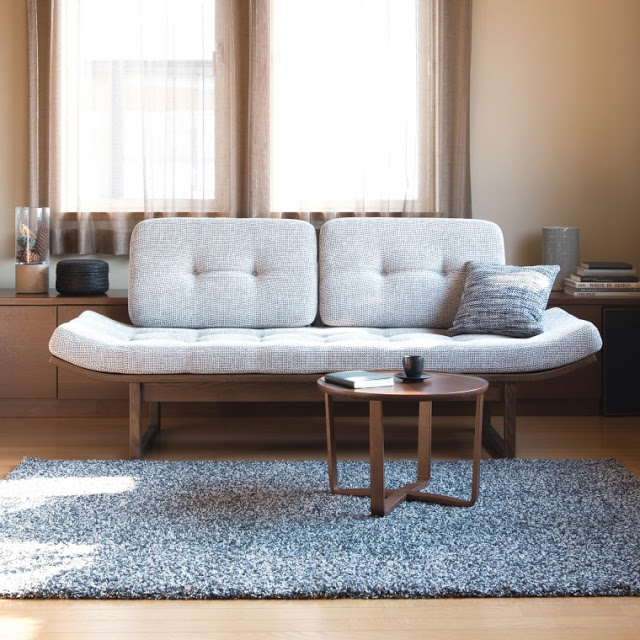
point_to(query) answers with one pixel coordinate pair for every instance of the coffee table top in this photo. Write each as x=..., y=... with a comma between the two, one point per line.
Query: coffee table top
x=440, y=386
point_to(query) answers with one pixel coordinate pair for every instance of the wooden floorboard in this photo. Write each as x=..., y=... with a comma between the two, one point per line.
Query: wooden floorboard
x=275, y=437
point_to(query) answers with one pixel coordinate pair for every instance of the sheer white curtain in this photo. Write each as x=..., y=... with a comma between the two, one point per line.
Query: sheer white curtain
x=303, y=108
x=345, y=101
x=132, y=117
x=368, y=108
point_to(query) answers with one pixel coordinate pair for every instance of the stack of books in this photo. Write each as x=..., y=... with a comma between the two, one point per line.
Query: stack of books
x=603, y=279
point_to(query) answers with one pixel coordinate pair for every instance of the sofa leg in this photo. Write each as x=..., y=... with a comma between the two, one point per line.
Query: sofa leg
x=510, y=412
x=501, y=446
x=135, y=420
x=492, y=441
x=155, y=416
x=139, y=440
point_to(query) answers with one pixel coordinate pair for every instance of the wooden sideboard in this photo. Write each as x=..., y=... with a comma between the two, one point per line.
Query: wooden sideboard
x=31, y=386
x=587, y=391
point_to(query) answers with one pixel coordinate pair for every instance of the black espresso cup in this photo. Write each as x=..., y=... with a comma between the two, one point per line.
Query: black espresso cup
x=413, y=366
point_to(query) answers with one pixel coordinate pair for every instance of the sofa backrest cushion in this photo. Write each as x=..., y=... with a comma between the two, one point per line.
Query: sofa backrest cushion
x=400, y=272
x=223, y=272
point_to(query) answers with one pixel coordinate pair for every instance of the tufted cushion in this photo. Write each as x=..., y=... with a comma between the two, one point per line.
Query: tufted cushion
x=95, y=342
x=504, y=300
x=223, y=272
x=399, y=272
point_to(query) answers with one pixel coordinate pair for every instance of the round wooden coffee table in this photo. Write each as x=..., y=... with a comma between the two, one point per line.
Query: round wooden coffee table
x=439, y=387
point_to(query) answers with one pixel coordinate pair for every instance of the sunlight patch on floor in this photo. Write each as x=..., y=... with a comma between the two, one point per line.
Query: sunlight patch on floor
x=17, y=628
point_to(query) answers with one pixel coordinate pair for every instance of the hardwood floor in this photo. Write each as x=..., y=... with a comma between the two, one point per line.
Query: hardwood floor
x=290, y=438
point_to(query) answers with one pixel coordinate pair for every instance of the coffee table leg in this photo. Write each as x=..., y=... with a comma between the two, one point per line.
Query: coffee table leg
x=477, y=451
x=376, y=458
x=425, y=457
x=334, y=484
x=424, y=442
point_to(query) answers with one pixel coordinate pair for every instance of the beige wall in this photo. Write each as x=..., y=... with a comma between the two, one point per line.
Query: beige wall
x=555, y=125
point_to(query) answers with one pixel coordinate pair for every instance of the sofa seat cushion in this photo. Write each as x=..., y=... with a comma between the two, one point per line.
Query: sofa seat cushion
x=98, y=343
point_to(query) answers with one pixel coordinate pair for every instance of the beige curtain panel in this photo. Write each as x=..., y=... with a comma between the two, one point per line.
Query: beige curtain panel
x=250, y=108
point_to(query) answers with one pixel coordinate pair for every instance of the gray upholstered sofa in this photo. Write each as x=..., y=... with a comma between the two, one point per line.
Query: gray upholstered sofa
x=257, y=309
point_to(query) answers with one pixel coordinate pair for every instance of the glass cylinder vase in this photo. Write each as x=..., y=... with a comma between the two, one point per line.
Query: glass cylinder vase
x=32, y=249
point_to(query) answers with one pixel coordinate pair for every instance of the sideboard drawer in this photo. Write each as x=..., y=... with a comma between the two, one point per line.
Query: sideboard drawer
x=24, y=352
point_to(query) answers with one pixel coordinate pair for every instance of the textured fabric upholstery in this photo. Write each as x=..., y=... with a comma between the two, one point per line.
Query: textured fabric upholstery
x=95, y=342
x=225, y=296
x=398, y=272
x=503, y=299
x=222, y=272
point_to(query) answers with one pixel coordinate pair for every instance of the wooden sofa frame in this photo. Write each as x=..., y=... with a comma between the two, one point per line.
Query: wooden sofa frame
x=156, y=389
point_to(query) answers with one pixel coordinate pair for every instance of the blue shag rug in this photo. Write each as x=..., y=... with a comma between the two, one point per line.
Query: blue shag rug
x=142, y=529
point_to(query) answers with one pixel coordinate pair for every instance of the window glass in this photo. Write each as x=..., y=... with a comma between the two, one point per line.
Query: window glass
x=344, y=103
x=123, y=59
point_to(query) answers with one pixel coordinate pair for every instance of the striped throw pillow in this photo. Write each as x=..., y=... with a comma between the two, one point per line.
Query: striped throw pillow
x=503, y=299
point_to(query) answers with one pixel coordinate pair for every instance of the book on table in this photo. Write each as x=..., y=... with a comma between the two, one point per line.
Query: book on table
x=612, y=264
x=576, y=278
x=601, y=293
x=601, y=285
x=359, y=379
x=585, y=271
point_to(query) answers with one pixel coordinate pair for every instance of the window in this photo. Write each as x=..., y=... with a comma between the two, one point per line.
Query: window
x=138, y=91
x=310, y=108
x=344, y=105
